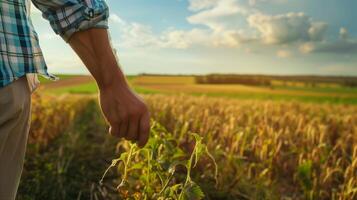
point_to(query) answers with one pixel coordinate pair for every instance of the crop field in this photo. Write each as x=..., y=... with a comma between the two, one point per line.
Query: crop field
x=172, y=85
x=207, y=142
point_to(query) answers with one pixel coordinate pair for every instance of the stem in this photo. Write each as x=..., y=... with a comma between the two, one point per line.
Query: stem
x=148, y=170
x=114, y=162
x=126, y=163
x=167, y=183
x=215, y=165
x=188, y=176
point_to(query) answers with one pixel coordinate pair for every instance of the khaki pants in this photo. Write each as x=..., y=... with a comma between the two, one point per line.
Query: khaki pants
x=15, y=108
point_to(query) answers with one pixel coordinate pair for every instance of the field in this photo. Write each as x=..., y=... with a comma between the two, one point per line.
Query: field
x=211, y=141
x=172, y=85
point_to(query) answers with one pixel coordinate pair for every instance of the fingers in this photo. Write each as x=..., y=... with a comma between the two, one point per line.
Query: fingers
x=132, y=134
x=123, y=128
x=133, y=125
x=144, y=130
x=115, y=130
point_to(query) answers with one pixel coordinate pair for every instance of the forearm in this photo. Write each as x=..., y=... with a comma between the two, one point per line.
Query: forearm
x=94, y=49
x=126, y=113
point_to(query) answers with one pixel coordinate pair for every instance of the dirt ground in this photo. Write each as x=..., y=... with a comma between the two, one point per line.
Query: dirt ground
x=77, y=80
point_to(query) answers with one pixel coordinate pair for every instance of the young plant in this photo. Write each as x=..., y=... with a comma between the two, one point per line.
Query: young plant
x=160, y=170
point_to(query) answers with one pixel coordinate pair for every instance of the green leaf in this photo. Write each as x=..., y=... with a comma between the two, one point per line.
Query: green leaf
x=114, y=163
x=304, y=174
x=193, y=192
x=199, y=147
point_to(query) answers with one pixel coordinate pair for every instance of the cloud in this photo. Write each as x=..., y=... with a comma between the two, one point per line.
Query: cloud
x=196, y=5
x=138, y=35
x=217, y=15
x=307, y=47
x=283, y=54
x=184, y=39
x=283, y=31
x=317, y=31
x=337, y=47
x=343, y=33
x=343, y=45
x=348, y=47
x=287, y=28
x=116, y=19
x=203, y=37
x=133, y=34
x=255, y=2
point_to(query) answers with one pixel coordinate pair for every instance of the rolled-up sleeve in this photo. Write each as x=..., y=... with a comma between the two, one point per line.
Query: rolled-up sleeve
x=69, y=16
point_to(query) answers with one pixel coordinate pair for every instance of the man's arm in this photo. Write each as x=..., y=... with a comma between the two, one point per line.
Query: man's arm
x=83, y=24
x=126, y=113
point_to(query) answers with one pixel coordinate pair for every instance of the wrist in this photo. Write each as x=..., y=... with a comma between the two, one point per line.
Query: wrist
x=112, y=77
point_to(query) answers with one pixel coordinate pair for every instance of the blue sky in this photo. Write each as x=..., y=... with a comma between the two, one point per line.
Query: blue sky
x=222, y=36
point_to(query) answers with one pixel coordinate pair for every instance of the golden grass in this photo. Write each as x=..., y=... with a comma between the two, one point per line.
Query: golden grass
x=164, y=80
x=236, y=89
x=264, y=149
x=52, y=115
x=186, y=84
x=297, y=150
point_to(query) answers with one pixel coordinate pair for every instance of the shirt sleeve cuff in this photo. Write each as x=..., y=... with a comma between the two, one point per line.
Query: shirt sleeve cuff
x=82, y=25
x=69, y=20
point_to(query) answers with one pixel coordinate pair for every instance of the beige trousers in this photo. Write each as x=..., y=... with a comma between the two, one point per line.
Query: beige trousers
x=15, y=108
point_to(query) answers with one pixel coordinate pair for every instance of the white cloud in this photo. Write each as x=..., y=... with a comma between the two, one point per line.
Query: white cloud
x=140, y=35
x=342, y=46
x=116, y=19
x=343, y=33
x=317, y=31
x=307, y=47
x=283, y=54
x=218, y=15
x=287, y=28
x=196, y=5
x=183, y=39
x=287, y=31
x=255, y=2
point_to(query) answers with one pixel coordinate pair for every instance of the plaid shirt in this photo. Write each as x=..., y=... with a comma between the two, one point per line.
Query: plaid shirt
x=20, y=53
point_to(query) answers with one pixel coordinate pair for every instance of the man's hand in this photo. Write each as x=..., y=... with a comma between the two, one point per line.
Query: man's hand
x=125, y=112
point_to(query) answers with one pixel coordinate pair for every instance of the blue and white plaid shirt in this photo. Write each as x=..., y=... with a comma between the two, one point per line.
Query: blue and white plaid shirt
x=20, y=53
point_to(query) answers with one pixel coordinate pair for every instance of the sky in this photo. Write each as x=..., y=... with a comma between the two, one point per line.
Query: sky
x=283, y=37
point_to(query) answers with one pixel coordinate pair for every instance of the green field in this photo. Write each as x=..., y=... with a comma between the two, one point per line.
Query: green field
x=169, y=85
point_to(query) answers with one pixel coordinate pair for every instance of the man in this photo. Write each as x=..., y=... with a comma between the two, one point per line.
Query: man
x=83, y=24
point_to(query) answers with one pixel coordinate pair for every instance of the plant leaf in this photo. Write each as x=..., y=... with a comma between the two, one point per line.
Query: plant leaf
x=193, y=192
